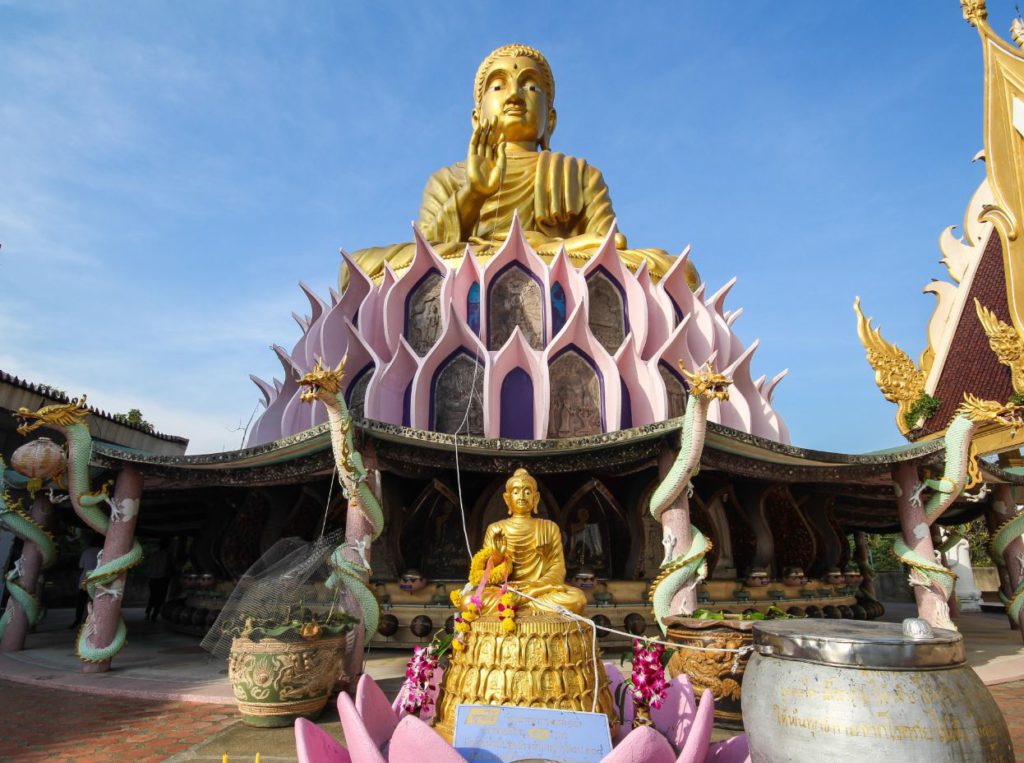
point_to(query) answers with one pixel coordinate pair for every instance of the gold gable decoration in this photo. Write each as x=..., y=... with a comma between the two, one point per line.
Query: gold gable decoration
x=1004, y=149
x=896, y=375
x=1005, y=342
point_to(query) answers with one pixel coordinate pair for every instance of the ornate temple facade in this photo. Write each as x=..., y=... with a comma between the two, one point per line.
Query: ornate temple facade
x=555, y=348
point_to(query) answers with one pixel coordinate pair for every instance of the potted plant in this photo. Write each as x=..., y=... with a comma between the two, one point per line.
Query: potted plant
x=286, y=668
x=721, y=672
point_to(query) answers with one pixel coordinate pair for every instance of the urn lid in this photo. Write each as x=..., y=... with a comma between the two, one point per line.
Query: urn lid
x=911, y=645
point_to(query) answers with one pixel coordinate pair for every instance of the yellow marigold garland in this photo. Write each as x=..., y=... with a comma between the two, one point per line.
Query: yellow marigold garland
x=476, y=570
x=507, y=608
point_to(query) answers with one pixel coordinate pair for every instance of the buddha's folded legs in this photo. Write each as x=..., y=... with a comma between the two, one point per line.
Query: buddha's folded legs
x=553, y=596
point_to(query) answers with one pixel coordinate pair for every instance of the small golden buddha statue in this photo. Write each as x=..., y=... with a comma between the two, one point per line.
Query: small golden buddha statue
x=531, y=549
x=561, y=200
x=538, y=657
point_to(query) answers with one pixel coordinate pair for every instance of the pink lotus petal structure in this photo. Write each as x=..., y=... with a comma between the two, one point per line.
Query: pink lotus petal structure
x=413, y=338
x=374, y=729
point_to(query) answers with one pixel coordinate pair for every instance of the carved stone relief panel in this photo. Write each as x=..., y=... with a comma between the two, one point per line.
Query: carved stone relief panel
x=515, y=299
x=575, y=407
x=357, y=395
x=423, y=321
x=676, y=392
x=454, y=391
x=607, y=313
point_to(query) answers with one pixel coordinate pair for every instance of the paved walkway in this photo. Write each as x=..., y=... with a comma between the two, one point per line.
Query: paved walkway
x=181, y=707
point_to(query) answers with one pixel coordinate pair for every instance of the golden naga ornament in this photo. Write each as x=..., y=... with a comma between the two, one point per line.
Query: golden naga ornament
x=1005, y=342
x=513, y=644
x=896, y=375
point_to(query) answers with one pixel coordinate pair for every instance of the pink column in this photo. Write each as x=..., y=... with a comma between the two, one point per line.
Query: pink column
x=1005, y=508
x=31, y=566
x=931, y=604
x=106, y=610
x=676, y=519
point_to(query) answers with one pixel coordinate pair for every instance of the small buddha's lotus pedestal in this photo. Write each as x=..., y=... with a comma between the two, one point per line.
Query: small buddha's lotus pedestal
x=548, y=661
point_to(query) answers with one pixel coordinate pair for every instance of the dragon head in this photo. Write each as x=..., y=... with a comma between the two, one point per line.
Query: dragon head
x=978, y=410
x=59, y=416
x=322, y=380
x=707, y=383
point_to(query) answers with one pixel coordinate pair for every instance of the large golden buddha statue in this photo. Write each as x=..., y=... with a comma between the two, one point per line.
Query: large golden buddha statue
x=509, y=168
x=530, y=549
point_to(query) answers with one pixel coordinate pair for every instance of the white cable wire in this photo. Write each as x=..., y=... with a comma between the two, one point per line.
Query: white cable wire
x=469, y=404
x=573, y=616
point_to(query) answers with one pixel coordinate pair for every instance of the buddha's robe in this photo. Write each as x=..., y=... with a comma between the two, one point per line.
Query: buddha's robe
x=538, y=565
x=557, y=197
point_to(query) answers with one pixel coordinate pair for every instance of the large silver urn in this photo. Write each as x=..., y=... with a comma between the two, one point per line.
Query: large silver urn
x=843, y=690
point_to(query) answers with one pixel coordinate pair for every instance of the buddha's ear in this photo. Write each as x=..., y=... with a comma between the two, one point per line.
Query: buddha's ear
x=545, y=139
x=474, y=118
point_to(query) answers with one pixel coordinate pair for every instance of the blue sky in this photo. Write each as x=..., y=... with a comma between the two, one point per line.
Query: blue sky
x=169, y=172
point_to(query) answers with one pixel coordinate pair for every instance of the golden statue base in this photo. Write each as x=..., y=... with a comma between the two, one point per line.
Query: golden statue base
x=547, y=662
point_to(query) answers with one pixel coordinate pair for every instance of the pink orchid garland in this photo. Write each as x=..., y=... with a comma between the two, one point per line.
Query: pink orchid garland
x=417, y=689
x=648, y=686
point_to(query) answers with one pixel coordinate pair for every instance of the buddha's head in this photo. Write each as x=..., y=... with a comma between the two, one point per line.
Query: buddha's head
x=515, y=85
x=521, y=494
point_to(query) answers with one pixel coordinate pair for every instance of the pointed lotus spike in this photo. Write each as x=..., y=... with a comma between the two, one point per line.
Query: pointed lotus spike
x=302, y=321
x=759, y=382
x=266, y=389
x=291, y=368
x=316, y=304
x=732, y=316
x=717, y=300
x=769, y=390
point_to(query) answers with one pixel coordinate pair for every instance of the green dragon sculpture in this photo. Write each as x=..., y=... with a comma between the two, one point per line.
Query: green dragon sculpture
x=960, y=473
x=688, y=567
x=324, y=384
x=14, y=519
x=71, y=419
x=1006, y=533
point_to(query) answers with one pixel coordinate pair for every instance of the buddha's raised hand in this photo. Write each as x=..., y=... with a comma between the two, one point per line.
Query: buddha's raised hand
x=485, y=159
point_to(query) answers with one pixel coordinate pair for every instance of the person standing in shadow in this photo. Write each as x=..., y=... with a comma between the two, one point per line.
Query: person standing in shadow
x=160, y=569
x=87, y=562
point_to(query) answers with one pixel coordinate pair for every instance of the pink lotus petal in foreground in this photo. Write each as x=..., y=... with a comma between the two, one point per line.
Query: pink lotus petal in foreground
x=314, y=745
x=642, y=745
x=414, y=741
x=732, y=750
x=360, y=744
x=698, y=738
x=375, y=710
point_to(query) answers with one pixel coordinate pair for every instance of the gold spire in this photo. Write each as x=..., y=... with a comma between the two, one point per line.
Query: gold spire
x=1004, y=149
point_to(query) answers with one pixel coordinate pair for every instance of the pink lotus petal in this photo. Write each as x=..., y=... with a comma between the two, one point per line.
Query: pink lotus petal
x=360, y=744
x=314, y=745
x=675, y=716
x=416, y=741
x=641, y=745
x=695, y=749
x=375, y=710
x=732, y=750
